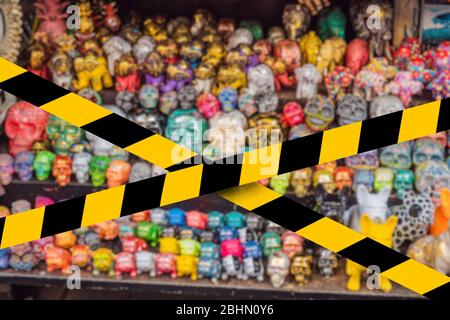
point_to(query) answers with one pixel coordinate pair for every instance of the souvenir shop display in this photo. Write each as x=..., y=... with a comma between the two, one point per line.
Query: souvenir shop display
x=221, y=86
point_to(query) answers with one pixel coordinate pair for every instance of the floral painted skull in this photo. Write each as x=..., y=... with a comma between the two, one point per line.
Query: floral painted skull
x=23, y=165
x=80, y=166
x=267, y=102
x=384, y=178
x=228, y=97
x=363, y=161
x=62, y=135
x=25, y=124
x=427, y=150
x=149, y=97
x=280, y=183
x=351, y=109
x=397, y=156
x=292, y=114
x=118, y=173
x=403, y=181
x=343, y=177
x=385, y=104
x=431, y=178
x=62, y=170
x=320, y=113
x=140, y=171
x=363, y=177
x=97, y=169
x=43, y=163
x=247, y=104
x=168, y=102
x=208, y=105
x=186, y=97
x=6, y=168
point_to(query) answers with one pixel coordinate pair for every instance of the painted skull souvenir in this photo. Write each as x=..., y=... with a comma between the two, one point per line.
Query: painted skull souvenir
x=364, y=177
x=235, y=219
x=65, y=240
x=140, y=216
x=97, y=169
x=143, y=47
x=310, y=47
x=186, y=97
x=216, y=220
x=140, y=171
x=240, y=36
x=208, y=105
x=327, y=262
x=357, y=55
x=196, y=219
x=301, y=181
x=22, y=257
x=292, y=114
x=404, y=86
x=103, y=261
x=25, y=124
x=403, y=181
x=308, y=78
x=440, y=138
x=385, y=104
x=324, y=178
x=228, y=98
x=176, y=217
x=363, y=161
x=20, y=206
x=275, y=34
x=351, y=109
x=320, y=113
x=153, y=121
x=278, y=268
x=23, y=165
x=265, y=130
x=80, y=166
x=260, y=80
x=168, y=102
x=43, y=163
x=263, y=48
x=6, y=168
x=114, y=48
x=149, y=97
x=296, y=20
x=118, y=173
x=289, y=52
x=267, y=101
x=62, y=170
x=247, y=104
x=431, y=178
x=270, y=242
x=126, y=101
x=343, y=177
x=397, y=156
x=159, y=216
x=192, y=52
x=292, y=243
x=280, y=183
x=301, y=268
x=331, y=23
x=425, y=149
x=62, y=135
x=384, y=178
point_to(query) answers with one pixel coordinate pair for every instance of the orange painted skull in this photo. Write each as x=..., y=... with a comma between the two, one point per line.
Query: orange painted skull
x=62, y=170
x=118, y=173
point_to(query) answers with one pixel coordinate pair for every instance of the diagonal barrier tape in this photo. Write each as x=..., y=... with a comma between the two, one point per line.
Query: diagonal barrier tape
x=101, y=120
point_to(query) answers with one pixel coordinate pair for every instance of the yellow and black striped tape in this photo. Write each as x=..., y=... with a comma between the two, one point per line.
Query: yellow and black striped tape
x=104, y=121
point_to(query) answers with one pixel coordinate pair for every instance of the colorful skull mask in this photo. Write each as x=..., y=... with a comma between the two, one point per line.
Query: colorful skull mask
x=97, y=169
x=351, y=109
x=247, y=104
x=292, y=114
x=23, y=165
x=427, y=150
x=168, y=102
x=319, y=113
x=363, y=177
x=140, y=171
x=403, y=181
x=118, y=173
x=343, y=177
x=228, y=98
x=384, y=178
x=186, y=97
x=43, y=163
x=325, y=179
x=385, y=104
x=280, y=183
x=62, y=170
x=186, y=127
x=208, y=105
x=149, y=97
x=364, y=161
x=80, y=166
x=431, y=178
x=25, y=124
x=62, y=135
x=397, y=156
x=6, y=168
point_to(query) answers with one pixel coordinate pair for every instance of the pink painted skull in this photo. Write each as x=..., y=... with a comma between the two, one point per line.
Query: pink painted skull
x=6, y=168
x=25, y=124
x=208, y=105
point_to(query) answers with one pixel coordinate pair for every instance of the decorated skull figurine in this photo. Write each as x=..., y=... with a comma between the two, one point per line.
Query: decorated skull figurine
x=425, y=149
x=6, y=168
x=118, y=173
x=363, y=161
x=384, y=178
x=267, y=102
x=62, y=170
x=208, y=105
x=308, y=78
x=228, y=98
x=431, y=178
x=320, y=113
x=363, y=177
x=385, y=104
x=143, y=47
x=140, y=171
x=186, y=97
x=397, y=156
x=278, y=268
x=43, y=163
x=301, y=181
x=126, y=101
x=80, y=166
x=25, y=124
x=260, y=80
x=168, y=102
x=351, y=109
x=97, y=169
x=149, y=97
x=403, y=181
x=23, y=165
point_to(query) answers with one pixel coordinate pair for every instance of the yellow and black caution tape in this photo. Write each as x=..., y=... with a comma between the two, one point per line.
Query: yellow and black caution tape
x=401, y=126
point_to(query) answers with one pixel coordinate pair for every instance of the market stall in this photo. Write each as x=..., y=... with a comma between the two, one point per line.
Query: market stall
x=221, y=78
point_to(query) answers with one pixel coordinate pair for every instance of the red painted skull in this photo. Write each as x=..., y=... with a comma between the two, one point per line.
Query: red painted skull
x=25, y=124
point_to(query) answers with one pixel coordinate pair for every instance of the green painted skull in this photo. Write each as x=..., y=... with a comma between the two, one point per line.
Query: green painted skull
x=280, y=183
x=384, y=178
x=404, y=180
x=62, y=135
x=43, y=164
x=97, y=169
